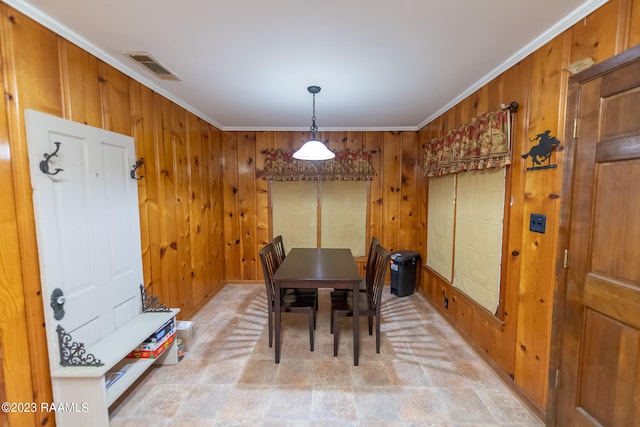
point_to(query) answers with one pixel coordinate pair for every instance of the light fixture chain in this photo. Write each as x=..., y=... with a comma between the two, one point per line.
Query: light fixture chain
x=314, y=127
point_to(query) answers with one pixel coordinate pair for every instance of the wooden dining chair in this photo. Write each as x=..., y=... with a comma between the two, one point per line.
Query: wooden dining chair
x=368, y=276
x=369, y=301
x=290, y=302
x=280, y=256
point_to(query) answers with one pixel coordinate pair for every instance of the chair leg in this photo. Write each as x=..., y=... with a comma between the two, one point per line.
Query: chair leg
x=331, y=323
x=370, y=325
x=311, y=327
x=378, y=333
x=336, y=333
x=270, y=328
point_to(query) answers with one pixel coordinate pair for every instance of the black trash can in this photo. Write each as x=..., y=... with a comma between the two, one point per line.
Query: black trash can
x=403, y=272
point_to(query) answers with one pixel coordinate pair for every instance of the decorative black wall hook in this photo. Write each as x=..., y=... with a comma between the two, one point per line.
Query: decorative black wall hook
x=44, y=164
x=137, y=166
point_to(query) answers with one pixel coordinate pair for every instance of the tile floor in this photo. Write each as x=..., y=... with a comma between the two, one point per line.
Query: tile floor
x=424, y=375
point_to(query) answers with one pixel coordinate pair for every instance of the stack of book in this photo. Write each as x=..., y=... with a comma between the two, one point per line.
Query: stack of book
x=157, y=342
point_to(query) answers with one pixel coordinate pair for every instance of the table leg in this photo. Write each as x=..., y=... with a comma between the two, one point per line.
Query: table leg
x=356, y=322
x=277, y=326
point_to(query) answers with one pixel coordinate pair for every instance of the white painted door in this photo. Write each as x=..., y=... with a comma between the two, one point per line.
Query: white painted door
x=88, y=227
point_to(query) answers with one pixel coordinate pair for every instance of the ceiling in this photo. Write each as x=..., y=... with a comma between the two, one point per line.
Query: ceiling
x=246, y=64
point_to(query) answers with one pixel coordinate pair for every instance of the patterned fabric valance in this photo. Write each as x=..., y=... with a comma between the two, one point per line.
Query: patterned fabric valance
x=351, y=164
x=483, y=143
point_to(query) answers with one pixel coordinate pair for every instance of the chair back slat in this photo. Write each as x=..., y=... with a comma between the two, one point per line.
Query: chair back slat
x=269, y=261
x=379, y=272
x=369, y=279
x=279, y=248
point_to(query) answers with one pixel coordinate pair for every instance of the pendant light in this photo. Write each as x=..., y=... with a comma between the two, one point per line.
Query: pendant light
x=314, y=149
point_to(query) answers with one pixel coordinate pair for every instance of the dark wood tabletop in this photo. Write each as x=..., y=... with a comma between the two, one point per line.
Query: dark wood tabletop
x=318, y=268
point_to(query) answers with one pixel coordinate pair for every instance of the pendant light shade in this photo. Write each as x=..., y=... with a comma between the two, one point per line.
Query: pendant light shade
x=313, y=149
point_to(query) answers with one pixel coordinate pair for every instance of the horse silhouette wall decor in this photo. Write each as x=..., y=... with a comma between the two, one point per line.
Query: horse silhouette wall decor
x=542, y=151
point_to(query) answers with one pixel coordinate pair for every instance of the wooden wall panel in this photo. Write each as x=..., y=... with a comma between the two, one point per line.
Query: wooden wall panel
x=197, y=210
x=114, y=94
x=182, y=197
x=142, y=148
x=541, y=196
x=634, y=24
x=232, y=230
x=149, y=137
x=193, y=178
x=167, y=221
x=390, y=173
x=519, y=346
x=80, y=83
x=516, y=87
x=409, y=176
x=15, y=375
x=31, y=81
x=247, y=202
x=264, y=140
x=598, y=36
x=392, y=202
x=41, y=71
x=373, y=141
x=216, y=275
x=203, y=250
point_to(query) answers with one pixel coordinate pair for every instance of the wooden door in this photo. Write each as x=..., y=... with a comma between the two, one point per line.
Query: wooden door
x=599, y=378
x=87, y=226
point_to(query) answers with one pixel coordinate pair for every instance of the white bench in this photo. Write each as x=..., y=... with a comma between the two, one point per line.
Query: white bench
x=81, y=390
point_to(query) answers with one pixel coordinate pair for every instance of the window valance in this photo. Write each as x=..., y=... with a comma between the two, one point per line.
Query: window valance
x=350, y=164
x=483, y=143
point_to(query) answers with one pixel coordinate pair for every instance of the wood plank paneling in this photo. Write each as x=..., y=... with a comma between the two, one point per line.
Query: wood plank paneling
x=197, y=211
x=216, y=276
x=182, y=197
x=264, y=140
x=520, y=346
x=516, y=87
x=597, y=36
x=15, y=384
x=391, y=176
x=80, y=84
x=409, y=176
x=41, y=71
x=247, y=202
x=634, y=24
x=541, y=196
x=195, y=220
x=142, y=148
x=232, y=229
x=373, y=141
x=31, y=74
x=114, y=94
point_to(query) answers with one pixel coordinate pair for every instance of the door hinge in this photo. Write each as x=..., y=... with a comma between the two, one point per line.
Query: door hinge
x=575, y=127
x=566, y=258
x=557, y=378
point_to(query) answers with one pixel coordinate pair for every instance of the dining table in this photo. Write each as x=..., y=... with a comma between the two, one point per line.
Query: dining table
x=318, y=268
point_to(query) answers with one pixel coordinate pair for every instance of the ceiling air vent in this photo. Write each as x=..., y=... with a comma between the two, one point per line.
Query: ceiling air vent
x=150, y=63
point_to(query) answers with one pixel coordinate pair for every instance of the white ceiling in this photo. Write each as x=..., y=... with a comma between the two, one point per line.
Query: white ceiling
x=246, y=64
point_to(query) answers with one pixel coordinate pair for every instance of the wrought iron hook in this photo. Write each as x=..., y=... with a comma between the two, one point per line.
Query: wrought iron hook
x=44, y=164
x=137, y=166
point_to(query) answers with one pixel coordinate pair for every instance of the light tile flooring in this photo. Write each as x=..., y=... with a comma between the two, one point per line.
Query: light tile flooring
x=424, y=375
